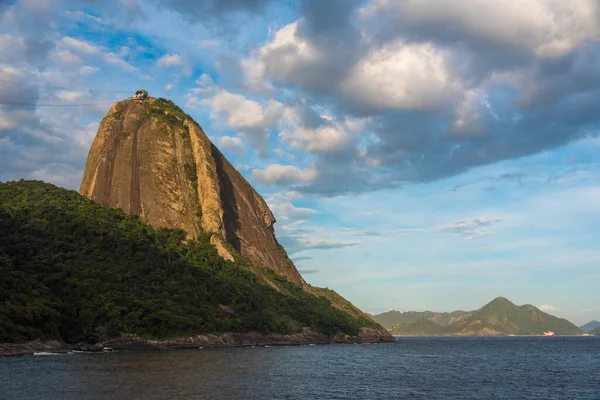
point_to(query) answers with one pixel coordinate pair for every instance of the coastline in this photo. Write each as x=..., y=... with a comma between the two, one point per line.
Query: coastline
x=366, y=335
x=498, y=335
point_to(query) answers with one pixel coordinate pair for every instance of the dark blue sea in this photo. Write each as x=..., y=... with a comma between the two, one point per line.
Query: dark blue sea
x=411, y=368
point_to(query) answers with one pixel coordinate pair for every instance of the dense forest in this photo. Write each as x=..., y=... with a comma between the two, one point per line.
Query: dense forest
x=73, y=269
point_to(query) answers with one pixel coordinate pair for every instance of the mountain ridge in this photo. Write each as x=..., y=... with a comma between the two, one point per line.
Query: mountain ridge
x=590, y=326
x=498, y=317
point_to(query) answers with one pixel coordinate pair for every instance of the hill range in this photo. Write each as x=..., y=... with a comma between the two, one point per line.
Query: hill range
x=498, y=317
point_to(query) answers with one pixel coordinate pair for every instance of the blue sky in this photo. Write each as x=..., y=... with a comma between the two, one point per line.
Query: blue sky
x=417, y=155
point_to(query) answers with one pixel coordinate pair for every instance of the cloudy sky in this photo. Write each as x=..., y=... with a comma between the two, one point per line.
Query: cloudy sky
x=418, y=154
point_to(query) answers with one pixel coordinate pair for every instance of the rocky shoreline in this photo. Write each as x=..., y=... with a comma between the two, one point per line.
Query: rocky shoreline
x=366, y=335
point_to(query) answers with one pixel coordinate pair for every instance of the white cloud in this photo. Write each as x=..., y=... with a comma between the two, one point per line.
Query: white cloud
x=295, y=244
x=327, y=136
x=12, y=48
x=284, y=196
x=81, y=46
x=287, y=56
x=207, y=43
x=80, y=16
x=237, y=112
x=87, y=70
x=84, y=137
x=246, y=116
x=66, y=57
x=548, y=308
x=57, y=173
x=71, y=95
x=548, y=28
x=397, y=75
x=169, y=60
x=232, y=144
x=205, y=80
x=324, y=138
x=470, y=229
x=10, y=119
x=401, y=76
x=277, y=174
x=288, y=212
x=206, y=88
x=280, y=152
x=243, y=167
x=88, y=49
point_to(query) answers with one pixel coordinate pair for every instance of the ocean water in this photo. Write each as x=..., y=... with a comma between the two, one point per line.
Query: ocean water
x=411, y=368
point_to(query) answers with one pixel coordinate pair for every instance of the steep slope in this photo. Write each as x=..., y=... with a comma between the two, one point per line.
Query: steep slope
x=344, y=305
x=499, y=317
x=73, y=269
x=590, y=326
x=151, y=159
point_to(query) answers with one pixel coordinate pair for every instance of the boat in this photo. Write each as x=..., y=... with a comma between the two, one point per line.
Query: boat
x=549, y=333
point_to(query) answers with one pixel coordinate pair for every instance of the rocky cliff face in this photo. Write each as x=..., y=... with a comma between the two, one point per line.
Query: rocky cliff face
x=151, y=159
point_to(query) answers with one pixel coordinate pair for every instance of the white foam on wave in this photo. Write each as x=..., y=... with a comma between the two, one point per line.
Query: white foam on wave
x=46, y=353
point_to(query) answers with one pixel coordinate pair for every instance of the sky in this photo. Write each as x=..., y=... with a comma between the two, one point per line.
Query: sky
x=417, y=154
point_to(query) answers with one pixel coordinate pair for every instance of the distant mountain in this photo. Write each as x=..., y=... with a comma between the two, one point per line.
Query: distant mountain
x=425, y=327
x=499, y=317
x=390, y=318
x=596, y=331
x=590, y=326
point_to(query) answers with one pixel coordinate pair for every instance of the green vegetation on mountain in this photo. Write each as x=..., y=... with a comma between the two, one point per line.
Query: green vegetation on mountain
x=391, y=318
x=341, y=303
x=595, y=331
x=499, y=317
x=590, y=326
x=425, y=327
x=73, y=269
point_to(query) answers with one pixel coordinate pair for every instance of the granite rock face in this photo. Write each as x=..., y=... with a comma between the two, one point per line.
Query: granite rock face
x=151, y=159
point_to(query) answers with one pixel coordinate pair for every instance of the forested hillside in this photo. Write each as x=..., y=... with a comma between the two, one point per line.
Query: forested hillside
x=73, y=269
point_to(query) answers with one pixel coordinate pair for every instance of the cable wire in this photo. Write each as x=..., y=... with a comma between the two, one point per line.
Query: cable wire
x=54, y=105
x=67, y=88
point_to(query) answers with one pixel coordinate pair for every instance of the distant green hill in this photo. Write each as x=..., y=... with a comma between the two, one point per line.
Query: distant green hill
x=499, y=317
x=73, y=269
x=590, y=326
x=391, y=318
x=425, y=327
x=596, y=331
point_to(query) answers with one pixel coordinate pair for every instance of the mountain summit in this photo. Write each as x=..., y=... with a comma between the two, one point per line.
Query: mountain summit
x=498, y=317
x=151, y=159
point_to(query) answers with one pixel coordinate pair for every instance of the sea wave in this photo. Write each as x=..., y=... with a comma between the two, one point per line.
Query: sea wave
x=46, y=353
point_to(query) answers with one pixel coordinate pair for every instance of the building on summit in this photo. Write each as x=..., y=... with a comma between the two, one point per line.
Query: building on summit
x=141, y=95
